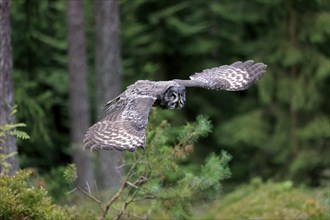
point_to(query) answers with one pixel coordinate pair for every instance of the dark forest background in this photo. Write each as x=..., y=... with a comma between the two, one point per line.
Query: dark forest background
x=277, y=130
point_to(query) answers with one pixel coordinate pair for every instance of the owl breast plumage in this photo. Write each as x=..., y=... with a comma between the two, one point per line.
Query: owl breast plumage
x=123, y=123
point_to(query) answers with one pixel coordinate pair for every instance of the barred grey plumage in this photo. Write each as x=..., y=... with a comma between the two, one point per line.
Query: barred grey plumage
x=125, y=118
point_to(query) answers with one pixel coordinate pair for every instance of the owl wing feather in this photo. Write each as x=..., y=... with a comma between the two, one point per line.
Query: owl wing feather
x=124, y=119
x=235, y=77
x=122, y=126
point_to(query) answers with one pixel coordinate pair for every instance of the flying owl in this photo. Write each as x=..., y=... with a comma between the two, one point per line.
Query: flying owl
x=125, y=118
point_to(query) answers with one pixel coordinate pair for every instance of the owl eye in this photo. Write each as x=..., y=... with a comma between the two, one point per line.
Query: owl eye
x=173, y=96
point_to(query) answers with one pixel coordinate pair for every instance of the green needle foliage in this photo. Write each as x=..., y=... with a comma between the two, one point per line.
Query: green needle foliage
x=170, y=183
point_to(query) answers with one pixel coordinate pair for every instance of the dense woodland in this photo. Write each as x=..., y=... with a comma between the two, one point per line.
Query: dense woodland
x=70, y=57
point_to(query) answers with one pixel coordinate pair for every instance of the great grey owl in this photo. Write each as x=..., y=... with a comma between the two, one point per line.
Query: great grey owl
x=126, y=117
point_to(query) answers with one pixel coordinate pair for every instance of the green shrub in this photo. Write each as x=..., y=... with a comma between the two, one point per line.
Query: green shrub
x=21, y=200
x=269, y=200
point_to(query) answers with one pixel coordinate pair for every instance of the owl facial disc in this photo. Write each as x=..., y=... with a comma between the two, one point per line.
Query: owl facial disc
x=174, y=98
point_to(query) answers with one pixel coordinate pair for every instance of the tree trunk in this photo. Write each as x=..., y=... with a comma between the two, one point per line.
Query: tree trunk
x=78, y=104
x=108, y=80
x=293, y=72
x=7, y=145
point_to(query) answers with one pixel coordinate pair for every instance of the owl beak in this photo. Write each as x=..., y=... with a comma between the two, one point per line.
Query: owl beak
x=180, y=104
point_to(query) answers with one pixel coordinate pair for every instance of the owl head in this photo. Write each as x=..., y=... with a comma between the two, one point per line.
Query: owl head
x=174, y=98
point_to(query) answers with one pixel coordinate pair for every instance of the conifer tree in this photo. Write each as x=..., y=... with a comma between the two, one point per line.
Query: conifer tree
x=8, y=144
x=157, y=175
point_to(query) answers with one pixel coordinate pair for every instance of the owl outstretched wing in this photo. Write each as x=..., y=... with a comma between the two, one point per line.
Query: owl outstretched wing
x=122, y=125
x=235, y=77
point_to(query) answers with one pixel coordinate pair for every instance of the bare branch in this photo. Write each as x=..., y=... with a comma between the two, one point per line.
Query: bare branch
x=86, y=193
x=123, y=209
x=131, y=184
x=88, y=188
x=120, y=191
x=144, y=198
